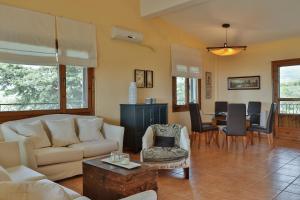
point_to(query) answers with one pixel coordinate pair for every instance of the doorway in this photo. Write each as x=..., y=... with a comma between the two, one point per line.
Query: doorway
x=286, y=93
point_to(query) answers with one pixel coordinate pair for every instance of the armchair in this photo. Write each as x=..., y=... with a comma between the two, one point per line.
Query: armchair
x=167, y=157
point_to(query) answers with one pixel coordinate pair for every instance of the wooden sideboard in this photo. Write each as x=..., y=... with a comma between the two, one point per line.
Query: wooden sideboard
x=136, y=118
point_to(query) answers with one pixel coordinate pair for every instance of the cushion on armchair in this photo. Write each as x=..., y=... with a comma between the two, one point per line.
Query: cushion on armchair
x=164, y=154
x=167, y=130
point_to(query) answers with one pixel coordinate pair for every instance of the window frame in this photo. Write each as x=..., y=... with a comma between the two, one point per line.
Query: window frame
x=183, y=108
x=90, y=110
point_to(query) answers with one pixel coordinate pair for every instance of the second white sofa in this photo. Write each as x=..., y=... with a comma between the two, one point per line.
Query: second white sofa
x=59, y=159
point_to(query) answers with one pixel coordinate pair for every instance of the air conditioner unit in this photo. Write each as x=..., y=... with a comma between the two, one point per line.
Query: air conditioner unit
x=128, y=35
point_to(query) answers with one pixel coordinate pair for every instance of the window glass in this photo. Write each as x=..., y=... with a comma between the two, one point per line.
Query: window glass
x=180, y=91
x=289, y=81
x=77, y=87
x=28, y=87
x=193, y=90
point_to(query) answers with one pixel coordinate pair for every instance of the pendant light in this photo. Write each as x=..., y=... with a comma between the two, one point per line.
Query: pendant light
x=226, y=50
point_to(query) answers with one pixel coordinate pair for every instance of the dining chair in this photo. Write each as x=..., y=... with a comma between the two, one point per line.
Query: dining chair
x=236, y=124
x=254, y=109
x=198, y=127
x=220, y=112
x=268, y=129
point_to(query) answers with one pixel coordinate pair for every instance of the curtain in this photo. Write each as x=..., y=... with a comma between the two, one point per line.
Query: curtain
x=27, y=37
x=186, y=62
x=77, y=43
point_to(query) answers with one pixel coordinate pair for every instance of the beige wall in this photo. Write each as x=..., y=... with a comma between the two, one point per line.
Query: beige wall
x=256, y=60
x=117, y=59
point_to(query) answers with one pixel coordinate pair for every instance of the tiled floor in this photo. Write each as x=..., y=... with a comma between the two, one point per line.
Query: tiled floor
x=258, y=173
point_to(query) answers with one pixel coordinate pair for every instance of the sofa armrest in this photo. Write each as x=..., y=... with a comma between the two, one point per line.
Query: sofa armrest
x=184, y=139
x=148, y=139
x=147, y=195
x=26, y=146
x=115, y=133
x=9, y=154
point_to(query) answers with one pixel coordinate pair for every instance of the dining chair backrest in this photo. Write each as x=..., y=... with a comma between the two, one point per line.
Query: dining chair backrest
x=254, y=109
x=271, y=118
x=220, y=106
x=236, y=120
x=196, y=121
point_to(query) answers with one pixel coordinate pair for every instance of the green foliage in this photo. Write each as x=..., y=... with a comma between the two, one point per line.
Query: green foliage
x=37, y=87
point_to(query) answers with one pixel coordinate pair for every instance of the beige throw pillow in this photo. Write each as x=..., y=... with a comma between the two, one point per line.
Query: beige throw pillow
x=90, y=129
x=62, y=132
x=4, y=176
x=35, y=130
x=37, y=190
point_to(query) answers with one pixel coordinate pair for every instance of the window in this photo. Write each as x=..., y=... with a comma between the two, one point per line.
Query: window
x=76, y=87
x=28, y=87
x=289, y=89
x=37, y=90
x=185, y=90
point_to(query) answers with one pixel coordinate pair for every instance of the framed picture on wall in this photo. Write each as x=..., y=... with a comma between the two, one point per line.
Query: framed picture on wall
x=208, y=85
x=139, y=78
x=149, y=79
x=244, y=83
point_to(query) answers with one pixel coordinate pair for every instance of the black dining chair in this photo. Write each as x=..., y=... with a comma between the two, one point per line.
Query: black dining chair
x=268, y=129
x=236, y=124
x=254, y=109
x=198, y=127
x=220, y=112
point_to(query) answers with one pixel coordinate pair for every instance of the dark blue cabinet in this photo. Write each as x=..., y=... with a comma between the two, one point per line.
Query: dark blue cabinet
x=136, y=118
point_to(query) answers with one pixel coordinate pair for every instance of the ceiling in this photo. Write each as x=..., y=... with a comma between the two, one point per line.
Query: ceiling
x=252, y=21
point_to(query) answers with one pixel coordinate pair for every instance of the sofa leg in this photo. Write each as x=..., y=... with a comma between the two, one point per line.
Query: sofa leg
x=186, y=173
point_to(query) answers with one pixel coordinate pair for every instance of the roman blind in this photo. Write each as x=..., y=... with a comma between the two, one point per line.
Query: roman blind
x=27, y=37
x=77, y=43
x=186, y=62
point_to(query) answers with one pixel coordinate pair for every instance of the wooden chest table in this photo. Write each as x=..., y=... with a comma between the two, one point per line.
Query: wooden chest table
x=108, y=182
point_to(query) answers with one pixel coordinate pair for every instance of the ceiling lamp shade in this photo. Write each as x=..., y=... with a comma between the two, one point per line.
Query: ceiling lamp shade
x=226, y=50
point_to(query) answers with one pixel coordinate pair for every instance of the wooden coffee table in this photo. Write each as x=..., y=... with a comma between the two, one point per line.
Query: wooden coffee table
x=108, y=182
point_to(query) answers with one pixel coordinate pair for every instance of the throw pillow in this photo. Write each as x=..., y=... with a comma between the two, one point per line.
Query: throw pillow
x=161, y=141
x=89, y=129
x=4, y=176
x=35, y=130
x=36, y=190
x=62, y=132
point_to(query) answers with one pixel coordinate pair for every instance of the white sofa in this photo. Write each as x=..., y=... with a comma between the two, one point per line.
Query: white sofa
x=25, y=177
x=61, y=162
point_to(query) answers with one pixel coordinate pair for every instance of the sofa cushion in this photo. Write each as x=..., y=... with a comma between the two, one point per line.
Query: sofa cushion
x=35, y=130
x=96, y=148
x=22, y=173
x=55, y=155
x=89, y=129
x=4, y=176
x=62, y=132
x=163, y=154
x=37, y=190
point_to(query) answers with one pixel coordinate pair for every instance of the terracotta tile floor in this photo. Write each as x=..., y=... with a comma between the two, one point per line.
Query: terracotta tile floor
x=258, y=173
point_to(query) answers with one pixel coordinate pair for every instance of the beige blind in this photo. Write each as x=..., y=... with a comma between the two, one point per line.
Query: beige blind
x=186, y=62
x=26, y=37
x=77, y=43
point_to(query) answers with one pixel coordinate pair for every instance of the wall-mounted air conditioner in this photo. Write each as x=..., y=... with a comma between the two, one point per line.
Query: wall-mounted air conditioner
x=128, y=35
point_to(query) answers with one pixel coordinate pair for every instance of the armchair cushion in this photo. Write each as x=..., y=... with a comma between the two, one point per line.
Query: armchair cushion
x=163, y=154
x=22, y=173
x=161, y=141
x=4, y=176
x=168, y=130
